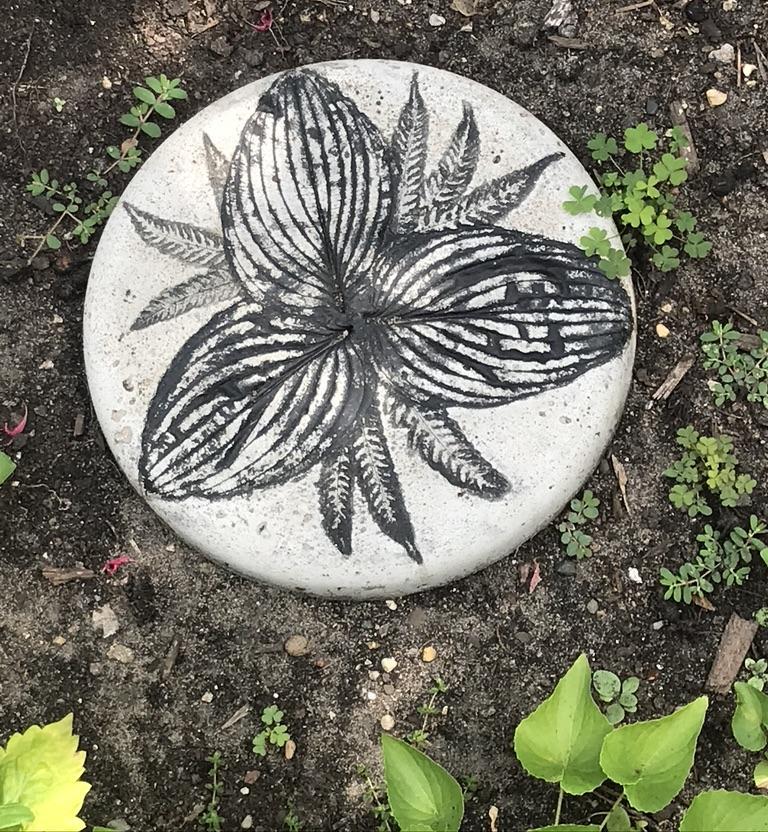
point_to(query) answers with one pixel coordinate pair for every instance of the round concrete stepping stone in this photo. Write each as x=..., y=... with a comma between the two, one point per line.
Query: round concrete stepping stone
x=339, y=336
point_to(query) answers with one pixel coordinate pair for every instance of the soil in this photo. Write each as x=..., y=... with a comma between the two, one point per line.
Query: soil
x=499, y=647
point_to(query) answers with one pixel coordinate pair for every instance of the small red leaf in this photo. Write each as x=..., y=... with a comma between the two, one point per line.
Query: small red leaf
x=18, y=428
x=113, y=564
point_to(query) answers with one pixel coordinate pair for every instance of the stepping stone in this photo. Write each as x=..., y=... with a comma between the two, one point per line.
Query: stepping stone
x=338, y=334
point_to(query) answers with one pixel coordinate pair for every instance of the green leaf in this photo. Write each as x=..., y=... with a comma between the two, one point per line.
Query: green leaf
x=652, y=759
x=722, y=811
x=151, y=129
x=667, y=259
x=697, y=246
x=177, y=93
x=749, y=719
x=760, y=775
x=685, y=222
x=614, y=713
x=422, y=795
x=581, y=202
x=616, y=264
x=618, y=820
x=53, y=242
x=144, y=95
x=165, y=110
x=41, y=770
x=671, y=168
x=129, y=119
x=14, y=814
x=7, y=467
x=602, y=147
x=607, y=684
x=595, y=242
x=113, y=151
x=560, y=741
x=154, y=84
x=640, y=138
x=260, y=744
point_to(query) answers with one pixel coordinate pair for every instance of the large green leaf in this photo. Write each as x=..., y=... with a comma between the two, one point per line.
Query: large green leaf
x=652, y=759
x=560, y=741
x=422, y=795
x=723, y=811
x=749, y=718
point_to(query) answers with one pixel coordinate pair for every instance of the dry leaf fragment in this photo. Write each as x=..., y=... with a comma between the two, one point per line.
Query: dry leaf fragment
x=716, y=97
x=493, y=814
x=676, y=375
x=535, y=577
x=465, y=7
x=621, y=476
x=104, y=619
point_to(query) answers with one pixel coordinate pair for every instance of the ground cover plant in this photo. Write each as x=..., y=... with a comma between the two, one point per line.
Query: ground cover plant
x=569, y=742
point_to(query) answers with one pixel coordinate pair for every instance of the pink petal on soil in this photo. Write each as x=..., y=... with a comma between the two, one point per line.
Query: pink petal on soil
x=113, y=564
x=18, y=427
x=265, y=21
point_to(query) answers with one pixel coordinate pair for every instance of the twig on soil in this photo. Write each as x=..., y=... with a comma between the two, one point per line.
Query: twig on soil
x=633, y=7
x=733, y=647
x=236, y=717
x=743, y=315
x=738, y=65
x=15, y=85
x=568, y=43
x=170, y=658
x=761, y=61
x=679, y=119
x=668, y=386
x=58, y=576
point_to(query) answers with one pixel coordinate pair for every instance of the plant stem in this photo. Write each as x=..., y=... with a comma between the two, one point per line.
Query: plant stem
x=133, y=140
x=559, y=806
x=614, y=805
x=48, y=233
x=379, y=805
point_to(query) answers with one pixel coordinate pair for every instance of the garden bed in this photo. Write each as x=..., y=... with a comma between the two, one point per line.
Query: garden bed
x=500, y=648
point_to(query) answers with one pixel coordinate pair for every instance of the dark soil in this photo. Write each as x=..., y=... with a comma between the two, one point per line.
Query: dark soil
x=500, y=649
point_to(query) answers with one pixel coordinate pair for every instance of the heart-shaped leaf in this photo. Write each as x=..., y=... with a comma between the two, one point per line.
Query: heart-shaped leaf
x=422, y=795
x=560, y=741
x=652, y=759
x=722, y=811
x=749, y=719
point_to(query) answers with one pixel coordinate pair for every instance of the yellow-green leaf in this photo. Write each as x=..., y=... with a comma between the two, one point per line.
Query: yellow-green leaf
x=560, y=741
x=722, y=811
x=41, y=769
x=652, y=759
x=749, y=719
x=422, y=795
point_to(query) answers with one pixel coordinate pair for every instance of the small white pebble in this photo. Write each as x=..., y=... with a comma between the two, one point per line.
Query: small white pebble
x=245, y=790
x=373, y=675
x=388, y=664
x=634, y=575
x=207, y=697
x=370, y=695
x=387, y=722
x=375, y=16
x=436, y=20
x=657, y=625
x=247, y=822
x=391, y=604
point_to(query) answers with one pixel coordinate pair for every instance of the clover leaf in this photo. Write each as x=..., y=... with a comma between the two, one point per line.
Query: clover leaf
x=696, y=246
x=595, y=242
x=640, y=138
x=671, y=168
x=602, y=147
x=581, y=202
x=667, y=259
